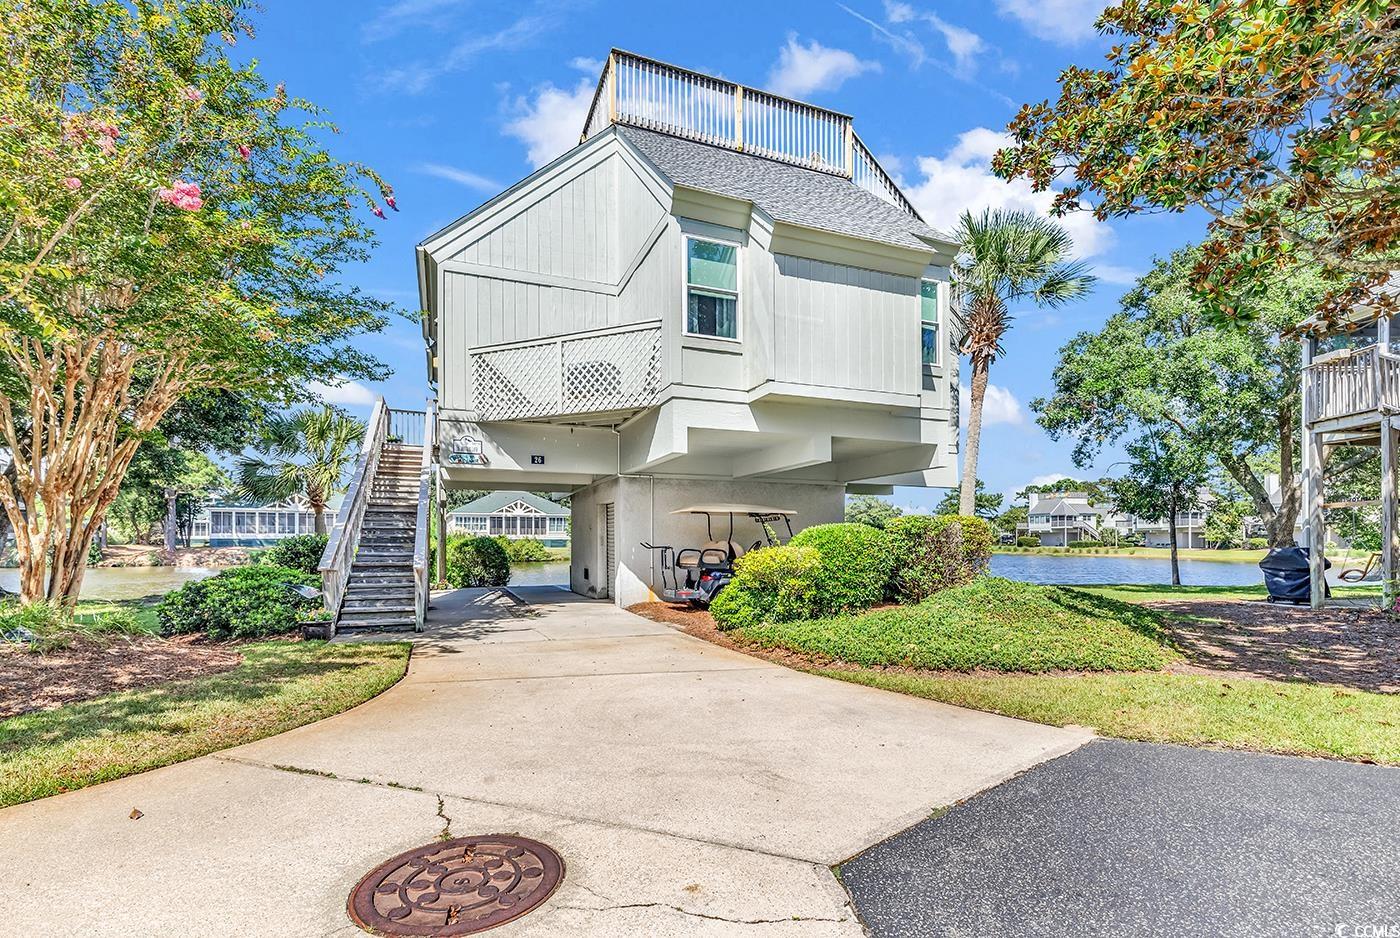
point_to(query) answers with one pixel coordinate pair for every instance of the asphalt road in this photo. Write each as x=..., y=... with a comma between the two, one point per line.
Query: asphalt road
x=1122, y=838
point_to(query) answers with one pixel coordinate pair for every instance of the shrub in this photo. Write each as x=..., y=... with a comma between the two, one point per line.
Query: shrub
x=301, y=552
x=854, y=570
x=243, y=602
x=44, y=626
x=1027, y=541
x=771, y=584
x=1257, y=543
x=528, y=550
x=477, y=561
x=1085, y=544
x=937, y=552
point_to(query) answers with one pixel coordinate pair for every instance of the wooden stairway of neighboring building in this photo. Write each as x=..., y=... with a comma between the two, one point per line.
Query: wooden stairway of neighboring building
x=379, y=591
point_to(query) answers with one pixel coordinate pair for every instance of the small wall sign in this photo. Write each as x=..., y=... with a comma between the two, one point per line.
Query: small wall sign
x=537, y=460
x=466, y=451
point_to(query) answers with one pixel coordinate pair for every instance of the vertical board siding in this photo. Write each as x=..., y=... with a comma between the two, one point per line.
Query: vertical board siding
x=845, y=327
x=589, y=227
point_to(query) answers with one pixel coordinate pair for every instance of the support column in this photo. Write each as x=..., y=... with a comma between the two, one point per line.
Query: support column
x=1387, y=511
x=440, y=516
x=1316, y=454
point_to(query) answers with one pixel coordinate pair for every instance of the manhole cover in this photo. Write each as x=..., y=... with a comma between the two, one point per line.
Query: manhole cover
x=456, y=887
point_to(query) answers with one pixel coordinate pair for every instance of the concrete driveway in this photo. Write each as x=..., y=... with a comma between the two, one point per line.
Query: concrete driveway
x=691, y=790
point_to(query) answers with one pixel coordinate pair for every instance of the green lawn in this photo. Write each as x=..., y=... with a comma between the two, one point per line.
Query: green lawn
x=991, y=623
x=280, y=685
x=1159, y=592
x=1120, y=652
x=1265, y=716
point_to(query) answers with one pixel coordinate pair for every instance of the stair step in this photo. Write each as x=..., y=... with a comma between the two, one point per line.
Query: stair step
x=387, y=624
x=357, y=607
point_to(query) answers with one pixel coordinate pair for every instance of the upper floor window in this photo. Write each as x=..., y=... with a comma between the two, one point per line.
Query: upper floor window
x=712, y=289
x=928, y=316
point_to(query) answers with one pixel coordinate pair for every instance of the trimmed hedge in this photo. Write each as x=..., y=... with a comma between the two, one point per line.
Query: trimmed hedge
x=771, y=584
x=527, y=550
x=1027, y=541
x=937, y=552
x=855, y=565
x=244, y=602
x=477, y=561
x=1085, y=544
x=300, y=552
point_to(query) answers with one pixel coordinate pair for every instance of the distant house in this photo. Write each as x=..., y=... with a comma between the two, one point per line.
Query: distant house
x=513, y=515
x=239, y=524
x=1059, y=518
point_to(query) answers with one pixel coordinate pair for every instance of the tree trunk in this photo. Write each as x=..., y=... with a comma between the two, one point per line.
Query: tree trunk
x=171, y=520
x=967, y=495
x=320, y=518
x=1171, y=538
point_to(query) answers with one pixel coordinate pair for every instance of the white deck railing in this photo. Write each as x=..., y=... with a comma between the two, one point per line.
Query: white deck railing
x=344, y=538
x=422, y=577
x=1363, y=381
x=643, y=92
x=599, y=371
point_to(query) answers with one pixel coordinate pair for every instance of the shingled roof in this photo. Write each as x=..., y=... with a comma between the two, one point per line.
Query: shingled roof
x=494, y=501
x=788, y=193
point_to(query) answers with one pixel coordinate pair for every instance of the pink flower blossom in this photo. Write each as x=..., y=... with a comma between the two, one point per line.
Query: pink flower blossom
x=389, y=201
x=244, y=150
x=106, y=145
x=73, y=182
x=109, y=131
x=183, y=195
x=193, y=94
x=378, y=212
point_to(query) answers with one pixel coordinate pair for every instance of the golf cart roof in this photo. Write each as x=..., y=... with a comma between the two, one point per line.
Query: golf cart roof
x=721, y=509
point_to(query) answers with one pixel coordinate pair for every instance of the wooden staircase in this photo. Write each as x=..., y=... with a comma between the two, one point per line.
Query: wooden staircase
x=374, y=571
x=379, y=592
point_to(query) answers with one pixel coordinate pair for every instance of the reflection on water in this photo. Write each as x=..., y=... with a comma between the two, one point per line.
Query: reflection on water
x=553, y=573
x=1057, y=568
x=125, y=582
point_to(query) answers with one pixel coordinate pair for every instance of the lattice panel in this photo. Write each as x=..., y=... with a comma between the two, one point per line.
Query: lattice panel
x=560, y=377
x=613, y=371
x=515, y=383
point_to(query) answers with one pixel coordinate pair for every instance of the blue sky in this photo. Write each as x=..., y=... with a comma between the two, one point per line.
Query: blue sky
x=453, y=100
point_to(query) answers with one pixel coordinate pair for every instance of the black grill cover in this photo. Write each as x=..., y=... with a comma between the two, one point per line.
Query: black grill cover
x=1286, y=573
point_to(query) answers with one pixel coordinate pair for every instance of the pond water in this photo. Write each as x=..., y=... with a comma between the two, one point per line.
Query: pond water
x=552, y=573
x=125, y=582
x=1057, y=568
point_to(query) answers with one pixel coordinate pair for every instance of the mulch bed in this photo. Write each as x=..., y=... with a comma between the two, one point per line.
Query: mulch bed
x=30, y=681
x=1353, y=647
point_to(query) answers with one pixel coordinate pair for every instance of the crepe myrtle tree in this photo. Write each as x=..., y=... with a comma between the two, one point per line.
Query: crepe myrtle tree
x=1280, y=120
x=168, y=224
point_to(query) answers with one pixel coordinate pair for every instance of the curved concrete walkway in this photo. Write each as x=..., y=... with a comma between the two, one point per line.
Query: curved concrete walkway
x=691, y=790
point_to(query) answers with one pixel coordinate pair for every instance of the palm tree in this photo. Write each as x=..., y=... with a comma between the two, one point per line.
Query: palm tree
x=307, y=452
x=1007, y=256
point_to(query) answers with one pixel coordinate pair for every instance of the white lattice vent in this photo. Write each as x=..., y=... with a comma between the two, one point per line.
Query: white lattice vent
x=568, y=375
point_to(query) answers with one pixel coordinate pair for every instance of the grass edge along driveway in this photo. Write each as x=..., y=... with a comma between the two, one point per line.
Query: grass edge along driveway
x=279, y=686
x=1001, y=646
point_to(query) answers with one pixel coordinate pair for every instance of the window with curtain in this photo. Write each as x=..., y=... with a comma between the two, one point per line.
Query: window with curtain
x=928, y=316
x=712, y=289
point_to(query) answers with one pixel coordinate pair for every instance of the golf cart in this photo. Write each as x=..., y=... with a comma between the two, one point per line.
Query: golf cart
x=695, y=575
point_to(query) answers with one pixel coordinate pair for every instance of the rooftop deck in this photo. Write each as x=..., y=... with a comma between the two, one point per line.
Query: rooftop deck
x=643, y=92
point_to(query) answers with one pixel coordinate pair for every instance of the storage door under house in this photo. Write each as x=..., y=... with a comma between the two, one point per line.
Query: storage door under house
x=609, y=549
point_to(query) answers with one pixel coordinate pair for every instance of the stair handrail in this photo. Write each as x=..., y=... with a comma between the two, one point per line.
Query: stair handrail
x=344, y=538
x=421, y=574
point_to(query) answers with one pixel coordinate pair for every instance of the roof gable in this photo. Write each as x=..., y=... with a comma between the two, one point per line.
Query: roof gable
x=493, y=502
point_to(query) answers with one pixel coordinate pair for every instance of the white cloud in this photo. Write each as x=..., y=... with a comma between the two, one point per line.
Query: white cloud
x=1116, y=274
x=462, y=177
x=586, y=65
x=394, y=17
x=415, y=77
x=1048, y=478
x=963, y=179
x=801, y=70
x=550, y=123
x=998, y=406
x=963, y=44
x=1067, y=22
x=902, y=42
x=347, y=392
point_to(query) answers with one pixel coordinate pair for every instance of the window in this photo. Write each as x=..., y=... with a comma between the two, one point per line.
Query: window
x=221, y=522
x=928, y=320
x=712, y=289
